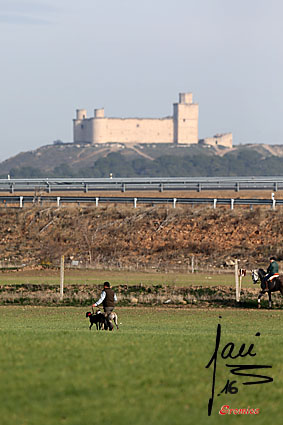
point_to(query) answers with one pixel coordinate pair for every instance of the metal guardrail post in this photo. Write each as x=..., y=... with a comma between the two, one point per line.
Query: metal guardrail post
x=58, y=201
x=232, y=204
x=96, y=202
x=21, y=201
x=214, y=203
x=174, y=202
x=273, y=203
x=135, y=202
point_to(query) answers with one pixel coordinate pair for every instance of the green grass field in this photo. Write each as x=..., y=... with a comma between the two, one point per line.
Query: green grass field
x=152, y=371
x=120, y=278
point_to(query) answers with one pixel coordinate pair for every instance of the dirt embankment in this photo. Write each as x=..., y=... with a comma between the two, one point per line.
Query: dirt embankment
x=119, y=236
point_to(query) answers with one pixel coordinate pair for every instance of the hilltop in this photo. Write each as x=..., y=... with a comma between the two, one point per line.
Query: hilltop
x=72, y=160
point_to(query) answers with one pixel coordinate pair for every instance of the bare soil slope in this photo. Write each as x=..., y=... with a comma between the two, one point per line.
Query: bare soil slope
x=149, y=236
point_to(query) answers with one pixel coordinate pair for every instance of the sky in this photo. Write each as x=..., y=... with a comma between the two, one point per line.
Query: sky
x=133, y=58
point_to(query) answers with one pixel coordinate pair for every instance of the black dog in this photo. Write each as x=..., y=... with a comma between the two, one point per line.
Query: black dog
x=98, y=318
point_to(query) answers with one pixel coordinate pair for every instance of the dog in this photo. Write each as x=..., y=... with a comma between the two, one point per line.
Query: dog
x=112, y=316
x=96, y=318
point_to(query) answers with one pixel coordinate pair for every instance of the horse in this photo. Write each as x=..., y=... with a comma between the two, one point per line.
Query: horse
x=274, y=285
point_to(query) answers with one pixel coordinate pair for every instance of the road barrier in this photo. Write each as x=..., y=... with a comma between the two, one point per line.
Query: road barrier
x=21, y=201
x=160, y=184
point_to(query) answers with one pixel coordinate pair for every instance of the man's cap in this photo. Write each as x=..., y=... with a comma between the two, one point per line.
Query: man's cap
x=107, y=284
x=272, y=258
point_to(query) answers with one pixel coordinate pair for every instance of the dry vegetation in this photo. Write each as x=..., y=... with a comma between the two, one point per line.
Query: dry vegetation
x=120, y=236
x=135, y=295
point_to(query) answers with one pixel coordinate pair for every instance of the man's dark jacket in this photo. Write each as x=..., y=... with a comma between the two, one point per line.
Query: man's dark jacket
x=109, y=299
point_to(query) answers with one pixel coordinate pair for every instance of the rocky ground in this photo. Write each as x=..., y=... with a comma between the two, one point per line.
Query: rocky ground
x=123, y=237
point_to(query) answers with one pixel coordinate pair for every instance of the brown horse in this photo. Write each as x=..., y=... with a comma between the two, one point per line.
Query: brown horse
x=275, y=285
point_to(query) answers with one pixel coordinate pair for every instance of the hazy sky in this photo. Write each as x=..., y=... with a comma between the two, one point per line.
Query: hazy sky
x=134, y=57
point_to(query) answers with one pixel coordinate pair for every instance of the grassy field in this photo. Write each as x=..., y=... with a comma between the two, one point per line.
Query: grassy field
x=120, y=278
x=152, y=371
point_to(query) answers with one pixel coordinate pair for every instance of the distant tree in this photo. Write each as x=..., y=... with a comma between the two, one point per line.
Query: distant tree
x=26, y=172
x=63, y=170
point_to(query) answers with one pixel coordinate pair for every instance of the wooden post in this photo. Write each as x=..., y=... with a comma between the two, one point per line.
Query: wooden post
x=193, y=263
x=242, y=273
x=237, y=281
x=62, y=278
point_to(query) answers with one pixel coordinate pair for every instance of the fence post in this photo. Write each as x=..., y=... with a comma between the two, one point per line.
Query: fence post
x=232, y=204
x=21, y=201
x=58, y=201
x=237, y=281
x=214, y=203
x=174, y=202
x=96, y=202
x=135, y=202
x=62, y=278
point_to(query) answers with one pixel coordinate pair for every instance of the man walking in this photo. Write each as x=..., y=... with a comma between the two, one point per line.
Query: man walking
x=107, y=299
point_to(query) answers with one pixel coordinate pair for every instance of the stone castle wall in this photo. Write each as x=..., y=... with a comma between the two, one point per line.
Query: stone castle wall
x=132, y=130
x=182, y=127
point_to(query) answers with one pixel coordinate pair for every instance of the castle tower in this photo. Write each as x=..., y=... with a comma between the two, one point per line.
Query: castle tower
x=185, y=118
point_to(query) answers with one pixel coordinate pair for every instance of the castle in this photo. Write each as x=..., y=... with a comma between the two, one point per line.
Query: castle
x=181, y=128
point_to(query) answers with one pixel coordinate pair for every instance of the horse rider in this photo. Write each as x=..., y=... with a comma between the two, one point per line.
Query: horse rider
x=107, y=299
x=272, y=272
